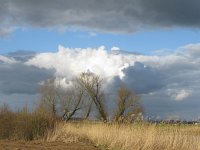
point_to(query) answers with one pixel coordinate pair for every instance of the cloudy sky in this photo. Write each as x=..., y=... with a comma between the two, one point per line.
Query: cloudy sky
x=150, y=45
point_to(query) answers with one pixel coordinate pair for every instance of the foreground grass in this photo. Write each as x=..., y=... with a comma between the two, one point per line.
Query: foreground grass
x=131, y=136
x=36, y=125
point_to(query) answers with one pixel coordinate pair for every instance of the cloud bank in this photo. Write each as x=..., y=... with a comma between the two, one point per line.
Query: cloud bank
x=168, y=84
x=18, y=82
x=114, y=16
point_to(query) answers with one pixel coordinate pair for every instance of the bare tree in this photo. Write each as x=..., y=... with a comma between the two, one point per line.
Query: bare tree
x=92, y=84
x=86, y=94
x=49, y=97
x=88, y=108
x=128, y=105
x=71, y=102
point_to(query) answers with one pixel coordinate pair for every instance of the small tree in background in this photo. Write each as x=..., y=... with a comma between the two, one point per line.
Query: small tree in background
x=49, y=97
x=128, y=106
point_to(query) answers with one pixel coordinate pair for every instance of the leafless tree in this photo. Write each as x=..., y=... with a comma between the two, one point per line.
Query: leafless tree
x=85, y=95
x=71, y=101
x=88, y=108
x=128, y=105
x=56, y=100
x=49, y=97
x=92, y=84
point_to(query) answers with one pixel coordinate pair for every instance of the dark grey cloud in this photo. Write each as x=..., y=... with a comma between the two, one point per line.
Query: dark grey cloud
x=19, y=78
x=143, y=79
x=117, y=16
x=172, y=12
x=19, y=83
x=19, y=100
x=161, y=105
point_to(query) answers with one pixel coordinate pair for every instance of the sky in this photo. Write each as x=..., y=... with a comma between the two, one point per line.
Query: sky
x=153, y=46
x=145, y=42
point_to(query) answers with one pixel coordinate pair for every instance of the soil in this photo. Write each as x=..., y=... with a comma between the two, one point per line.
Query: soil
x=41, y=145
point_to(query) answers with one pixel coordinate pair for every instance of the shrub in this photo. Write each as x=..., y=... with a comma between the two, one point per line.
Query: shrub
x=24, y=125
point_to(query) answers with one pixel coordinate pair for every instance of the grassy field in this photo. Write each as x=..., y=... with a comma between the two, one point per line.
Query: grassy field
x=30, y=127
x=138, y=136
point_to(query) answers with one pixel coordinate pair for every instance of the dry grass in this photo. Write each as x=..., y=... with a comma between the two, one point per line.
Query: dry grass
x=138, y=136
x=25, y=125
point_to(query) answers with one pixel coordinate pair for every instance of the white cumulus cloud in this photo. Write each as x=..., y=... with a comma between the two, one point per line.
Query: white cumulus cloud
x=71, y=62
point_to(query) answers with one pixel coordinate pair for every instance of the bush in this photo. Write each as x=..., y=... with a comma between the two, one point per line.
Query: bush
x=24, y=125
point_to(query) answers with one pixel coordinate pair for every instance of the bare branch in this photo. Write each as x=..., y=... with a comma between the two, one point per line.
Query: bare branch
x=127, y=105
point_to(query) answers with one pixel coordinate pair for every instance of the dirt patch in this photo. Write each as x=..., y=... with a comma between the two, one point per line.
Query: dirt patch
x=40, y=145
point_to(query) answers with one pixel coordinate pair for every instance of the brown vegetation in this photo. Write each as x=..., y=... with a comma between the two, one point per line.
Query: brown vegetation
x=24, y=125
x=42, y=145
x=86, y=95
x=128, y=106
x=136, y=136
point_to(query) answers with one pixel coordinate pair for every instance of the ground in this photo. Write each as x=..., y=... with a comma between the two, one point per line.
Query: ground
x=40, y=145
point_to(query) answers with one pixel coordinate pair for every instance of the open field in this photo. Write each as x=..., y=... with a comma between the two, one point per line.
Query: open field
x=138, y=136
x=113, y=136
x=37, y=130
